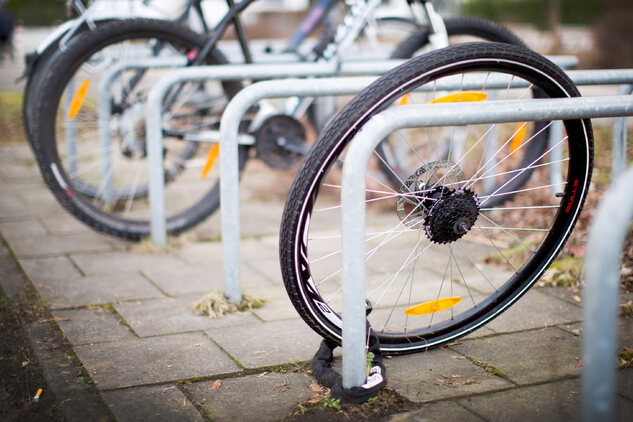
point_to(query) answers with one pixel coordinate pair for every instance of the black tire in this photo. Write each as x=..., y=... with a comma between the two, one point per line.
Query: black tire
x=125, y=211
x=460, y=29
x=490, y=268
x=37, y=65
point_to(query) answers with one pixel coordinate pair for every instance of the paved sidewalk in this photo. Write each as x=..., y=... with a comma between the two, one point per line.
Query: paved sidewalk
x=127, y=315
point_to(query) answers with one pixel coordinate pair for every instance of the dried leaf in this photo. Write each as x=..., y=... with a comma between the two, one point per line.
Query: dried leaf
x=578, y=363
x=58, y=318
x=216, y=384
x=314, y=400
x=316, y=387
x=577, y=299
x=263, y=374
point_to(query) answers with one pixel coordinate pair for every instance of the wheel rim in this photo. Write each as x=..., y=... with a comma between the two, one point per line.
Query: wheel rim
x=481, y=296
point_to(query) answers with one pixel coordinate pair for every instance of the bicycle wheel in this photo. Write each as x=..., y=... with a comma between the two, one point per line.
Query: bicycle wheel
x=440, y=262
x=102, y=181
x=468, y=29
x=37, y=69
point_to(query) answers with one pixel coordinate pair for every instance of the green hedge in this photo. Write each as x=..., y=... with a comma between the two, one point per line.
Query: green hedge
x=38, y=12
x=536, y=12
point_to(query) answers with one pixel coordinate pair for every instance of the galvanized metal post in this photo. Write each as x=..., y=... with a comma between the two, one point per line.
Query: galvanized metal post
x=600, y=300
x=353, y=182
x=618, y=149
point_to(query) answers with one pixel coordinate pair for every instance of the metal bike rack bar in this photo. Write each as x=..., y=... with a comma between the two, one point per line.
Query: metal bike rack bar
x=250, y=95
x=228, y=157
x=104, y=112
x=618, y=150
x=600, y=298
x=353, y=185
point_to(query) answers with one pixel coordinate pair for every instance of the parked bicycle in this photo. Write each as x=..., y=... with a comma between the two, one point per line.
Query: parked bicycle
x=105, y=185
x=440, y=261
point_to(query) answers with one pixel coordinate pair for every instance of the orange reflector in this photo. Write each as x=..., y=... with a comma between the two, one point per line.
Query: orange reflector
x=433, y=306
x=461, y=97
x=404, y=100
x=518, y=137
x=78, y=99
x=211, y=159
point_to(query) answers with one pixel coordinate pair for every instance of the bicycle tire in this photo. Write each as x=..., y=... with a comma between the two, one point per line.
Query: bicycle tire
x=37, y=70
x=48, y=144
x=309, y=241
x=484, y=30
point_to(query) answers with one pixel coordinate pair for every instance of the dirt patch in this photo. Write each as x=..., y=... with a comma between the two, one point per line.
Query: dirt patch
x=386, y=403
x=20, y=374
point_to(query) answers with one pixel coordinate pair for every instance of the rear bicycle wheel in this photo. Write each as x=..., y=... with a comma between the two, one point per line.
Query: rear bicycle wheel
x=468, y=29
x=440, y=262
x=102, y=180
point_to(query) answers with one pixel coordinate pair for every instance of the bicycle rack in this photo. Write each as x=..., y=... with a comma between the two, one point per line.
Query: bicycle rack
x=602, y=283
x=267, y=89
x=346, y=68
x=353, y=193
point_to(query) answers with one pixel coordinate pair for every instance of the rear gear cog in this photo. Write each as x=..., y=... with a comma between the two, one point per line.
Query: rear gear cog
x=452, y=216
x=423, y=189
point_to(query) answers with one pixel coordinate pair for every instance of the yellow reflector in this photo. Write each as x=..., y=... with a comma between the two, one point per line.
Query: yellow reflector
x=433, y=306
x=461, y=97
x=404, y=100
x=518, y=137
x=78, y=99
x=211, y=159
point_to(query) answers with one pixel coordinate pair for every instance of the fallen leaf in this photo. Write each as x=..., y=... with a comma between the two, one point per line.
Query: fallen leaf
x=24, y=364
x=314, y=400
x=578, y=363
x=577, y=299
x=216, y=384
x=58, y=318
x=316, y=387
x=261, y=375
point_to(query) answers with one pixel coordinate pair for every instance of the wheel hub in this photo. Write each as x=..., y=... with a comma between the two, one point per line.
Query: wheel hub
x=430, y=201
x=281, y=141
x=452, y=216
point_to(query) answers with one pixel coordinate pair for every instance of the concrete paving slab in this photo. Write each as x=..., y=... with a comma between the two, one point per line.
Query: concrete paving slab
x=12, y=279
x=269, y=267
x=184, y=279
x=19, y=229
x=64, y=224
x=448, y=410
x=268, y=343
x=91, y=325
x=556, y=401
x=439, y=374
x=268, y=397
x=125, y=261
x=169, y=316
x=528, y=357
x=201, y=253
x=39, y=270
x=82, y=291
x=159, y=403
x=59, y=244
x=535, y=310
x=625, y=382
x=153, y=360
x=276, y=310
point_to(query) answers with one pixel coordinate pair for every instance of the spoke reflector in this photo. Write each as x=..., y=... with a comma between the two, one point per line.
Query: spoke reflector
x=433, y=306
x=406, y=99
x=518, y=137
x=78, y=99
x=211, y=159
x=461, y=97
